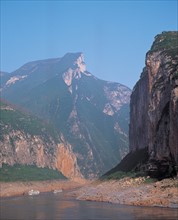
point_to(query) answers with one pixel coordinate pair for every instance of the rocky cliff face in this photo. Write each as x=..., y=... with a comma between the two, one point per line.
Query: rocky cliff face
x=154, y=106
x=91, y=114
x=27, y=140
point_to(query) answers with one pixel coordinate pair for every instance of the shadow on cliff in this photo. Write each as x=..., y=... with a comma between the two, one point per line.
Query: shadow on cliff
x=139, y=162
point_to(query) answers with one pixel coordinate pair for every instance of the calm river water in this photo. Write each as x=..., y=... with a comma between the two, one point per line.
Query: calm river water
x=57, y=206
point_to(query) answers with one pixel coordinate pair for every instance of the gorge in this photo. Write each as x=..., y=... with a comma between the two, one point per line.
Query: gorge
x=89, y=117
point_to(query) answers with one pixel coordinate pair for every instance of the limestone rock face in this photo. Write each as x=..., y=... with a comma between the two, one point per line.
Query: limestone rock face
x=154, y=106
x=18, y=148
x=138, y=129
x=66, y=161
x=36, y=151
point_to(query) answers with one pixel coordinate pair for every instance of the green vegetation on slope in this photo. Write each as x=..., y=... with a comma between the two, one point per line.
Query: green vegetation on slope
x=166, y=41
x=27, y=173
x=10, y=118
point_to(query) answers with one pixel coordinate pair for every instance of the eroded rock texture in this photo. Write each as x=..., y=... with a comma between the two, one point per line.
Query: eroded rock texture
x=154, y=106
x=24, y=139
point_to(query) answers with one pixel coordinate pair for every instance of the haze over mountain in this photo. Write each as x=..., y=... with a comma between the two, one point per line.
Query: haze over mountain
x=90, y=114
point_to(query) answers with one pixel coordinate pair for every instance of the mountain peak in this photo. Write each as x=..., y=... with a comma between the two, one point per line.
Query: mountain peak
x=75, y=70
x=77, y=59
x=80, y=63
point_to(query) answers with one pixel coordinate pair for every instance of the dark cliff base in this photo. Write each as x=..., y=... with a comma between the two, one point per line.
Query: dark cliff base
x=131, y=161
x=161, y=169
x=137, y=163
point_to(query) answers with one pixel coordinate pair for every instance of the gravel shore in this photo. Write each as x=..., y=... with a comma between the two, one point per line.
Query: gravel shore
x=131, y=191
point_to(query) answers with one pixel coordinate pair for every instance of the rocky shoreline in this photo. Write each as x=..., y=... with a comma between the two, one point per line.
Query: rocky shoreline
x=132, y=191
x=8, y=189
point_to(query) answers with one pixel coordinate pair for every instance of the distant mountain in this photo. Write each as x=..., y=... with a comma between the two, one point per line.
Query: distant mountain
x=92, y=114
x=4, y=76
x=153, y=131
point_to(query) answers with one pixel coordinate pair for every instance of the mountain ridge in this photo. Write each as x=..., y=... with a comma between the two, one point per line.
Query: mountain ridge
x=92, y=114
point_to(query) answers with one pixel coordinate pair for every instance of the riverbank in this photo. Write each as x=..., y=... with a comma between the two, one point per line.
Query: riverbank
x=132, y=191
x=8, y=189
x=129, y=191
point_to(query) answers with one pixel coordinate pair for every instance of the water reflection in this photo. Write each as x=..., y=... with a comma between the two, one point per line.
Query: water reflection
x=50, y=206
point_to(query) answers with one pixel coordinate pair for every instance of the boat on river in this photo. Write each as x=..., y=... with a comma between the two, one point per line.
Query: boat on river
x=57, y=191
x=33, y=192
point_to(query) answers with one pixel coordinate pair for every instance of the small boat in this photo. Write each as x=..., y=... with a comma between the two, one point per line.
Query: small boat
x=57, y=191
x=33, y=192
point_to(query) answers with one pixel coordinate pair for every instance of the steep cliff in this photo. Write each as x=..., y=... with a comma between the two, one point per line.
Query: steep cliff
x=24, y=139
x=91, y=114
x=153, y=129
x=154, y=107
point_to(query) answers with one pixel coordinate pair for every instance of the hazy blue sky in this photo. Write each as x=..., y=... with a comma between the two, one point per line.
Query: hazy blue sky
x=113, y=35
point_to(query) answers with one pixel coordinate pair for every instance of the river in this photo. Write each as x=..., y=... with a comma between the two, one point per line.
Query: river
x=59, y=206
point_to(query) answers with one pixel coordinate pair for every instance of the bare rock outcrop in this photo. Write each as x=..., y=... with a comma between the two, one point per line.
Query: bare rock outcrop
x=17, y=148
x=154, y=107
x=26, y=140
